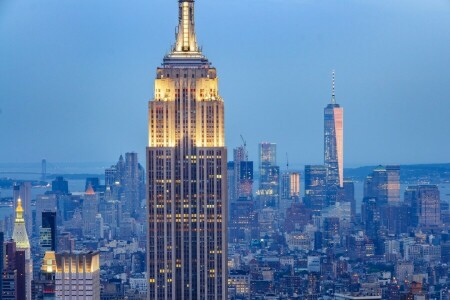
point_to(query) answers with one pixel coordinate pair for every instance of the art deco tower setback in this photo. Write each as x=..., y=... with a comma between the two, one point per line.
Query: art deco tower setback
x=187, y=165
x=334, y=143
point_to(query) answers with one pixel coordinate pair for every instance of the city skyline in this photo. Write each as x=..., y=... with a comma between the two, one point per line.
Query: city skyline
x=393, y=74
x=206, y=217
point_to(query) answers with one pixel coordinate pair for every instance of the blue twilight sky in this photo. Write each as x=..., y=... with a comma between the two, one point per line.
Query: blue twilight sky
x=76, y=75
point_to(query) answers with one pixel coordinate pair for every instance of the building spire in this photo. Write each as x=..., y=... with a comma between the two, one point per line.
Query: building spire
x=333, y=94
x=20, y=233
x=186, y=39
x=19, y=211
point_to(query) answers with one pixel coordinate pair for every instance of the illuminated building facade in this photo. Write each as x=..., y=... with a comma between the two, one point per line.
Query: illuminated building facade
x=290, y=185
x=334, y=147
x=77, y=275
x=187, y=174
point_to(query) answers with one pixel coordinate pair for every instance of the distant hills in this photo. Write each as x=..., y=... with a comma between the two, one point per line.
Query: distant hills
x=427, y=173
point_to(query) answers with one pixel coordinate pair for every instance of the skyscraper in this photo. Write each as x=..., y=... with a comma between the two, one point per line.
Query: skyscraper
x=384, y=185
x=334, y=146
x=425, y=205
x=20, y=237
x=269, y=175
x=315, y=188
x=77, y=275
x=240, y=176
x=187, y=165
x=44, y=203
x=90, y=211
x=48, y=231
x=290, y=185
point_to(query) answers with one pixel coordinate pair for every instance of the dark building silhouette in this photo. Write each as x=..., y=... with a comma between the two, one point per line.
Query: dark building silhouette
x=60, y=186
x=48, y=231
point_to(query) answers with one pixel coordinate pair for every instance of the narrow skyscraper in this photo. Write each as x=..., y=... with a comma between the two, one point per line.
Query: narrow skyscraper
x=269, y=176
x=334, y=147
x=187, y=171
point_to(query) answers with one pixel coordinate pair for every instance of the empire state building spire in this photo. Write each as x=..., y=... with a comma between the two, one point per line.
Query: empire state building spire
x=186, y=39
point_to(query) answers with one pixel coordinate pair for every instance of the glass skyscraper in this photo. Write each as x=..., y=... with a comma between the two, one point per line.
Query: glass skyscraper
x=187, y=174
x=334, y=145
x=269, y=175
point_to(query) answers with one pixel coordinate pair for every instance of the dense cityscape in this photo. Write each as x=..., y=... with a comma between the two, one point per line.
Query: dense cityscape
x=200, y=221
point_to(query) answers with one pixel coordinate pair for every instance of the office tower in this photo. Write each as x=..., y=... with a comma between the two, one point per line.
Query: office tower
x=269, y=175
x=425, y=205
x=23, y=191
x=396, y=218
x=48, y=231
x=315, y=188
x=111, y=176
x=246, y=179
x=77, y=275
x=370, y=214
x=239, y=155
x=334, y=143
x=243, y=221
x=60, y=186
x=240, y=175
x=20, y=237
x=132, y=192
x=290, y=185
x=90, y=211
x=187, y=164
x=44, y=203
x=99, y=233
x=348, y=195
x=384, y=185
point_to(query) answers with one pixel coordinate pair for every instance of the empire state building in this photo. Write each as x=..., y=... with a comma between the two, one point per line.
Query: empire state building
x=186, y=163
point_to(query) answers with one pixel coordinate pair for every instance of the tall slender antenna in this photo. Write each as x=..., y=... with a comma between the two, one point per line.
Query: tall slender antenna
x=287, y=161
x=333, y=94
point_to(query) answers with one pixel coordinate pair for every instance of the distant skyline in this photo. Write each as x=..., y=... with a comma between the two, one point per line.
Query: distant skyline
x=76, y=76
